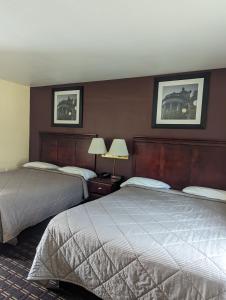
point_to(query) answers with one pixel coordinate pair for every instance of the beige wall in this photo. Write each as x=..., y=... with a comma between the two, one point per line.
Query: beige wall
x=14, y=124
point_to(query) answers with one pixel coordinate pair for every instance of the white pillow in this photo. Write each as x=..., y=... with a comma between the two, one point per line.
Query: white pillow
x=145, y=182
x=85, y=173
x=206, y=192
x=40, y=165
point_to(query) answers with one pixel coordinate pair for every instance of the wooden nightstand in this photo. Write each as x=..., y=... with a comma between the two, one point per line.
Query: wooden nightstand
x=99, y=187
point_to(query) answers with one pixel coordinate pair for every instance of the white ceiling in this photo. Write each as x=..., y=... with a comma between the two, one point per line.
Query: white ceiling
x=61, y=41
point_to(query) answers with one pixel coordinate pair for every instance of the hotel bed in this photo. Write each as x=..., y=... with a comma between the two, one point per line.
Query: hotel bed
x=140, y=243
x=30, y=195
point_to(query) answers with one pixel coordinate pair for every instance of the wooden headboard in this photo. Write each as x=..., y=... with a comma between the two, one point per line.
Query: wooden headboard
x=181, y=162
x=65, y=149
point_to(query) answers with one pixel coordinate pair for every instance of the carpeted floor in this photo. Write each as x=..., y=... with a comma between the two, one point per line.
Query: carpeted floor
x=15, y=262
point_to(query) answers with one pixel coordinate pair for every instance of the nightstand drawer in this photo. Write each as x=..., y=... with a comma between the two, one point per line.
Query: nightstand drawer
x=99, y=188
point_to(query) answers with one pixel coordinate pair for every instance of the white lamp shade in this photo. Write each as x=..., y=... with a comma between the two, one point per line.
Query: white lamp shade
x=97, y=146
x=118, y=148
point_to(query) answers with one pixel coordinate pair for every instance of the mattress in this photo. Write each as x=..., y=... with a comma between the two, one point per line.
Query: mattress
x=28, y=196
x=138, y=244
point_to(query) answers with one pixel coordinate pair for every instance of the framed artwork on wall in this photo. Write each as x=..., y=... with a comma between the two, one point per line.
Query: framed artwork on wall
x=67, y=108
x=180, y=101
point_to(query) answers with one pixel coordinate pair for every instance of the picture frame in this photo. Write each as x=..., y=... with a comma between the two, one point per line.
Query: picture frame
x=180, y=101
x=67, y=107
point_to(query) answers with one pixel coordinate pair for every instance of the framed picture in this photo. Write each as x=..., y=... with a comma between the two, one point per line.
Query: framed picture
x=180, y=101
x=67, y=107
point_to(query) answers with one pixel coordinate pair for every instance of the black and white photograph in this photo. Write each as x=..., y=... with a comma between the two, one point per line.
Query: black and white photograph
x=67, y=107
x=180, y=103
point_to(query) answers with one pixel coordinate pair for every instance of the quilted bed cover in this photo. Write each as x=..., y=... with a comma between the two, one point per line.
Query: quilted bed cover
x=29, y=196
x=138, y=244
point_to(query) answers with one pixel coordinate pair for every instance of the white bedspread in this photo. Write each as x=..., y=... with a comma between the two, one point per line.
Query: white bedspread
x=138, y=244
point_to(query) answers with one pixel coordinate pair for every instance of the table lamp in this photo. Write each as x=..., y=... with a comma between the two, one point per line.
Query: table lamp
x=118, y=150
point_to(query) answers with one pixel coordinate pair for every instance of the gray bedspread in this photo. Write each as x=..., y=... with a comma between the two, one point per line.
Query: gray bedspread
x=28, y=196
x=138, y=244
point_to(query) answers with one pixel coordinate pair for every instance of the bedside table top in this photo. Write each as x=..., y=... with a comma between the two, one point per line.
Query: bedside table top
x=105, y=180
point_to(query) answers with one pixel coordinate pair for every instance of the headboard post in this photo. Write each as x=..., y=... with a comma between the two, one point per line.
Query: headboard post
x=181, y=162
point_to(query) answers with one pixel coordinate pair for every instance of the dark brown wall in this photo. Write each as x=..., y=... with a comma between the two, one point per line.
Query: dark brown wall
x=122, y=109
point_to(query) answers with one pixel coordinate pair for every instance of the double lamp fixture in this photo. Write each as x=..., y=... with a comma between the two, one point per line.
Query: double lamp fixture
x=118, y=150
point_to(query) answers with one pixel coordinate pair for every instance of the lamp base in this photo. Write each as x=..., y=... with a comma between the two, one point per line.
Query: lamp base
x=115, y=178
